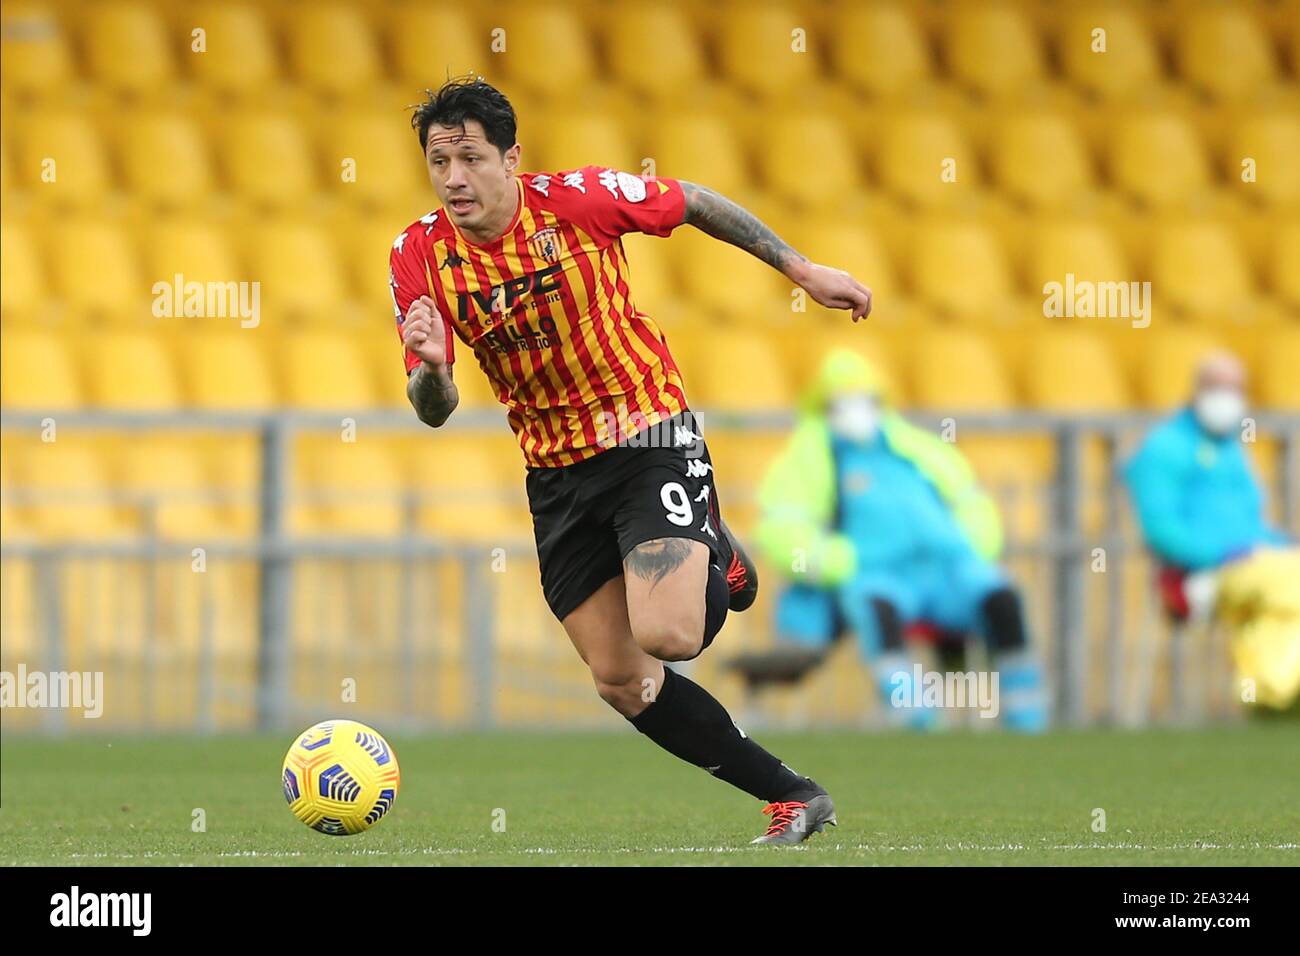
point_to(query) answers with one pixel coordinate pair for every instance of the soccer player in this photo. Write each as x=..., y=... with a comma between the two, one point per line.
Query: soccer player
x=528, y=271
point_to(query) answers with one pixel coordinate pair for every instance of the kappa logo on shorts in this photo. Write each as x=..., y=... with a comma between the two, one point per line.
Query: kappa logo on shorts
x=684, y=436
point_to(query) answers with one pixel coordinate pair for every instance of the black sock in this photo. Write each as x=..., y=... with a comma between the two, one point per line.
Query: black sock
x=891, y=625
x=689, y=723
x=717, y=598
x=1004, y=622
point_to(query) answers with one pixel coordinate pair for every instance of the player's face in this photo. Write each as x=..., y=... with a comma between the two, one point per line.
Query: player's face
x=474, y=181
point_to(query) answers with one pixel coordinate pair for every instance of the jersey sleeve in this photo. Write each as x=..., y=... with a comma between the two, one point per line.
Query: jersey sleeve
x=607, y=203
x=408, y=280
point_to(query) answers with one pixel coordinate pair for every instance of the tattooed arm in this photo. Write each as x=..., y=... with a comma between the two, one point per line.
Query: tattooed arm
x=719, y=217
x=432, y=393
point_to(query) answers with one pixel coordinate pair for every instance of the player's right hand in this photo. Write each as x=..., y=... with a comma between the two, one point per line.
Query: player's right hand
x=423, y=332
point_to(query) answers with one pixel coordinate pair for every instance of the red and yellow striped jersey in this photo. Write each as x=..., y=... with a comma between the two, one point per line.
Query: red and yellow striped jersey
x=547, y=310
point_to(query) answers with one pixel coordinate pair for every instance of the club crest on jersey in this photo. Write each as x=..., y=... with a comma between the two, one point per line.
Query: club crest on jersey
x=545, y=244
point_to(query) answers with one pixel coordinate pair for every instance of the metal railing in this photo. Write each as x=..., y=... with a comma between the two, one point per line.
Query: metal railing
x=263, y=640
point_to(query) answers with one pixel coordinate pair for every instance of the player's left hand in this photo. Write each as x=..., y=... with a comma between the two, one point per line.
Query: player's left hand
x=835, y=289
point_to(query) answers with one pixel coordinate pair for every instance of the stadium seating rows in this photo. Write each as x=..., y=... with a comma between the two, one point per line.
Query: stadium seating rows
x=959, y=156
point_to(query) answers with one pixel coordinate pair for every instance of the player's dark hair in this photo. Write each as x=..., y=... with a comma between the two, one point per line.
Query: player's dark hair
x=467, y=98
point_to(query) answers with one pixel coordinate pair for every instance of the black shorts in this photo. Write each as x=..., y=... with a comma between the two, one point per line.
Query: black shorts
x=587, y=516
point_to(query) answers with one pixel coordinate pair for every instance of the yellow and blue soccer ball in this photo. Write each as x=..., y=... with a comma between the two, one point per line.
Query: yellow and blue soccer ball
x=340, y=777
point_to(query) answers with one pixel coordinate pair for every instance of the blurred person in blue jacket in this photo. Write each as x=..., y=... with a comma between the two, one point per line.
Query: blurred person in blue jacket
x=1198, y=503
x=879, y=525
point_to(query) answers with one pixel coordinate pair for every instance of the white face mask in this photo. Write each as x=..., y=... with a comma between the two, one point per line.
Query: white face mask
x=1219, y=410
x=854, y=418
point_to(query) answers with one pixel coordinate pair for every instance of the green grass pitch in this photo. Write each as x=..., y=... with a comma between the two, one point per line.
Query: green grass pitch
x=1226, y=796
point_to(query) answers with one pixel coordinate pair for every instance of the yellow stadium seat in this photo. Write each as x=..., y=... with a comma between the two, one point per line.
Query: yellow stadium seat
x=1272, y=142
x=925, y=158
x=170, y=493
x=68, y=490
x=1250, y=329
x=34, y=56
x=346, y=487
x=722, y=278
x=268, y=160
x=366, y=244
x=1041, y=160
x=1086, y=250
x=96, y=269
x=18, y=600
x=1157, y=159
x=736, y=371
x=165, y=159
x=332, y=48
x=1071, y=370
x=7, y=182
x=803, y=355
x=579, y=139
x=1127, y=63
x=39, y=373
x=195, y=249
x=433, y=41
x=1285, y=264
x=959, y=267
x=330, y=374
x=1279, y=384
x=227, y=370
x=462, y=494
x=653, y=50
x=878, y=48
x=1168, y=364
x=127, y=47
x=233, y=462
x=740, y=460
x=782, y=159
x=239, y=56
x=699, y=147
x=22, y=279
x=385, y=358
x=1198, y=266
x=992, y=49
x=1223, y=51
x=957, y=370
x=650, y=275
x=373, y=158
x=298, y=267
x=849, y=246
x=63, y=159
x=1017, y=472
x=546, y=49
x=131, y=370
x=765, y=48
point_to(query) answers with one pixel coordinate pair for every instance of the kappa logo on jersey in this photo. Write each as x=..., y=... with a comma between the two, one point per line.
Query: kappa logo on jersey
x=697, y=468
x=546, y=244
x=472, y=307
